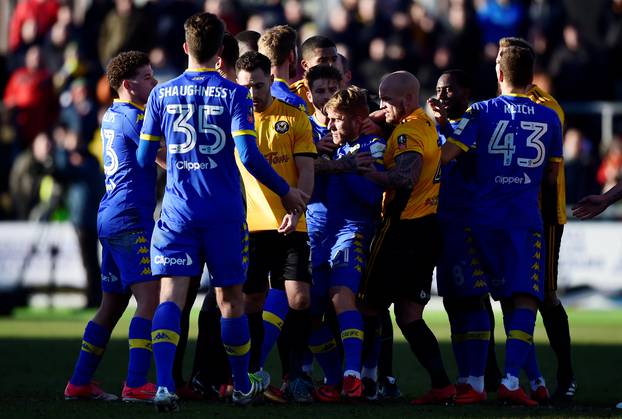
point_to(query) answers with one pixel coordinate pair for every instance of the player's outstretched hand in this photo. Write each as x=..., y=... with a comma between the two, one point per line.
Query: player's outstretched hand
x=369, y=127
x=439, y=110
x=295, y=201
x=326, y=145
x=378, y=116
x=590, y=207
x=364, y=162
x=288, y=225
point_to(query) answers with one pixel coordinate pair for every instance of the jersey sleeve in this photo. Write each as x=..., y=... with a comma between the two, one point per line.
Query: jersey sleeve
x=151, y=129
x=465, y=133
x=407, y=140
x=555, y=149
x=132, y=125
x=242, y=118
x=377, y=148
x=303, y=138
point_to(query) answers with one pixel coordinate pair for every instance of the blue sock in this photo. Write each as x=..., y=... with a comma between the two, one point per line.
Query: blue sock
x=457, y=324
x=237, y=342
x=94, y=343
x=322, y=344
x=519, y=340
x=165, y=330
x=140, y=351
x=478, y=337
x=307, y=362
x=274, y=311
x=351, y=327
x=531, y=365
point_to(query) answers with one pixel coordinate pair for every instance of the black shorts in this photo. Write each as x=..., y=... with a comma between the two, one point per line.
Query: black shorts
x=402, y=260
x=552, y=240
x=275, y=258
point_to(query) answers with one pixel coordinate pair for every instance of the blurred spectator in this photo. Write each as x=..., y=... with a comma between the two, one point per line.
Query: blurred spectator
x=294, y=14
x=79, y=172
x=499, y=18
x=611, y=165
x=613, y=42
x=31, y=20
x=169, y=34
x=34, y=193
x=30, y=98
x=124, y=29
x=79, y=111
x=247, y=41
x=570, y=68
x=580, y=166
x=229, y=12
x=58, y=38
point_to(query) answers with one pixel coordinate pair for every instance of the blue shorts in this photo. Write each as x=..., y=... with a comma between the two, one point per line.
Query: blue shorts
x=319, y=243
x=346, y=262
x=182, y=251
x=513, y=260
x=125, y=261
x=459, y=272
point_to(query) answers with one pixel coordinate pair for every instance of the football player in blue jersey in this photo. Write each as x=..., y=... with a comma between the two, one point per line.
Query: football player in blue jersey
x=323, y=81
x=125, y=222
x=459, y=274
x=352, y=211
x=279, y=45
x=203, y=118
x=518, y=146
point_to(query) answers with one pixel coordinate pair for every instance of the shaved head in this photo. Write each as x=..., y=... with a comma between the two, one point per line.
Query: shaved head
x=399, y=95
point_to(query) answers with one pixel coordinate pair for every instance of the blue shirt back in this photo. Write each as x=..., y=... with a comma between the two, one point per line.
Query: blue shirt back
x=456, y=182
x=353, y=200
x=513, y=138
x=199, y=113
x=130, y=197
x=316, y=209
x=280, y=90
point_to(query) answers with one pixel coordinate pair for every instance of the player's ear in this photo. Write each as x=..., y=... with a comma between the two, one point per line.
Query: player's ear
x=185, y=46
x=304, y=64
x=125, y=84
x=219, y=63
x=309, y=95
x=271, y=78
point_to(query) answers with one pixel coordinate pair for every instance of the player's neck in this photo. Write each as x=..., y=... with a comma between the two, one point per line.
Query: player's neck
x=320, y=117
x=507, y=89
x=194, y=64
x=126, y=96
x=281, y=72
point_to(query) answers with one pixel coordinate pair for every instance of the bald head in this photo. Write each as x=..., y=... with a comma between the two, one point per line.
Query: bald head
x=399, y=95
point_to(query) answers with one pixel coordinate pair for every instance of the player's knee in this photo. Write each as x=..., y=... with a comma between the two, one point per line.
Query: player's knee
x=343, y=299
x=231, y=301
x=299, y=300
x=253, y=303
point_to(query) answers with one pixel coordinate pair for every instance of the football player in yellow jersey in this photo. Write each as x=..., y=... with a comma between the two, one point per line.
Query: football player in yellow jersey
x=406, y=248
x=315, y=50
x=278, y=241
x=553, y=314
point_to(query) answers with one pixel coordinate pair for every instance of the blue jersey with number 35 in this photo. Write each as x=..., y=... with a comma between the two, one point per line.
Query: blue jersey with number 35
x=199, y=113
x=513, y=139
x=130, y=197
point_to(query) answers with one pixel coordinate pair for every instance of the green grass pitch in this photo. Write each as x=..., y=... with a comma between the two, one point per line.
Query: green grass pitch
x=38, y=350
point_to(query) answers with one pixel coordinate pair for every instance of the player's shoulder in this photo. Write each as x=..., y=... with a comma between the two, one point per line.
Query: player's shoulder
x=290, y=110
x=297, y=86
x=374, y=144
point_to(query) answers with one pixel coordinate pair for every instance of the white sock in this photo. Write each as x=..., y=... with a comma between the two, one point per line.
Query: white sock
x=510, y=382
x=371, y=373
x=538, y=382
x=477, y=383
x=352, y=373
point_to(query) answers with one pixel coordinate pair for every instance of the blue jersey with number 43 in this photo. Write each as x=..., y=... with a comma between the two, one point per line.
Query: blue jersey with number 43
x=513, y=139
x=130, y=197
x=199, y=113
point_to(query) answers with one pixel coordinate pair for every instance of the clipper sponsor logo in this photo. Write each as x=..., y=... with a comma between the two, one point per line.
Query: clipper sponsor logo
x=195, y=165
x=513, y=180
x=165, y=260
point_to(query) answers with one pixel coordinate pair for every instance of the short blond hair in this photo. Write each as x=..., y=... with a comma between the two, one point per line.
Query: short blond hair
x=352, y=100
x=277, y=42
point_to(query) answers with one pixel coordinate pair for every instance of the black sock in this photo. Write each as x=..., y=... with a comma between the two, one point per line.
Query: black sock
x=371, y=331
x=385, y=362
x=555, y=322
x=211, y=364
x=255, y=326
x=424, y=345
x=297, y=329
x=492, y=375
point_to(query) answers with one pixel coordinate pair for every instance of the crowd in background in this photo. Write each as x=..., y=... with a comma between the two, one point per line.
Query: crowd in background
x=54, y=90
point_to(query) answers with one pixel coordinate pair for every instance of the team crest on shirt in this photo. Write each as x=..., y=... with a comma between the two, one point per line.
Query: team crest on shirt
x=401, y=142
x=281, y=127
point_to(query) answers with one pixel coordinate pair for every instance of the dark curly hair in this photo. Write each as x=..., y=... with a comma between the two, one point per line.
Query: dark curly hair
x=125, y=66
x=251, y=61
